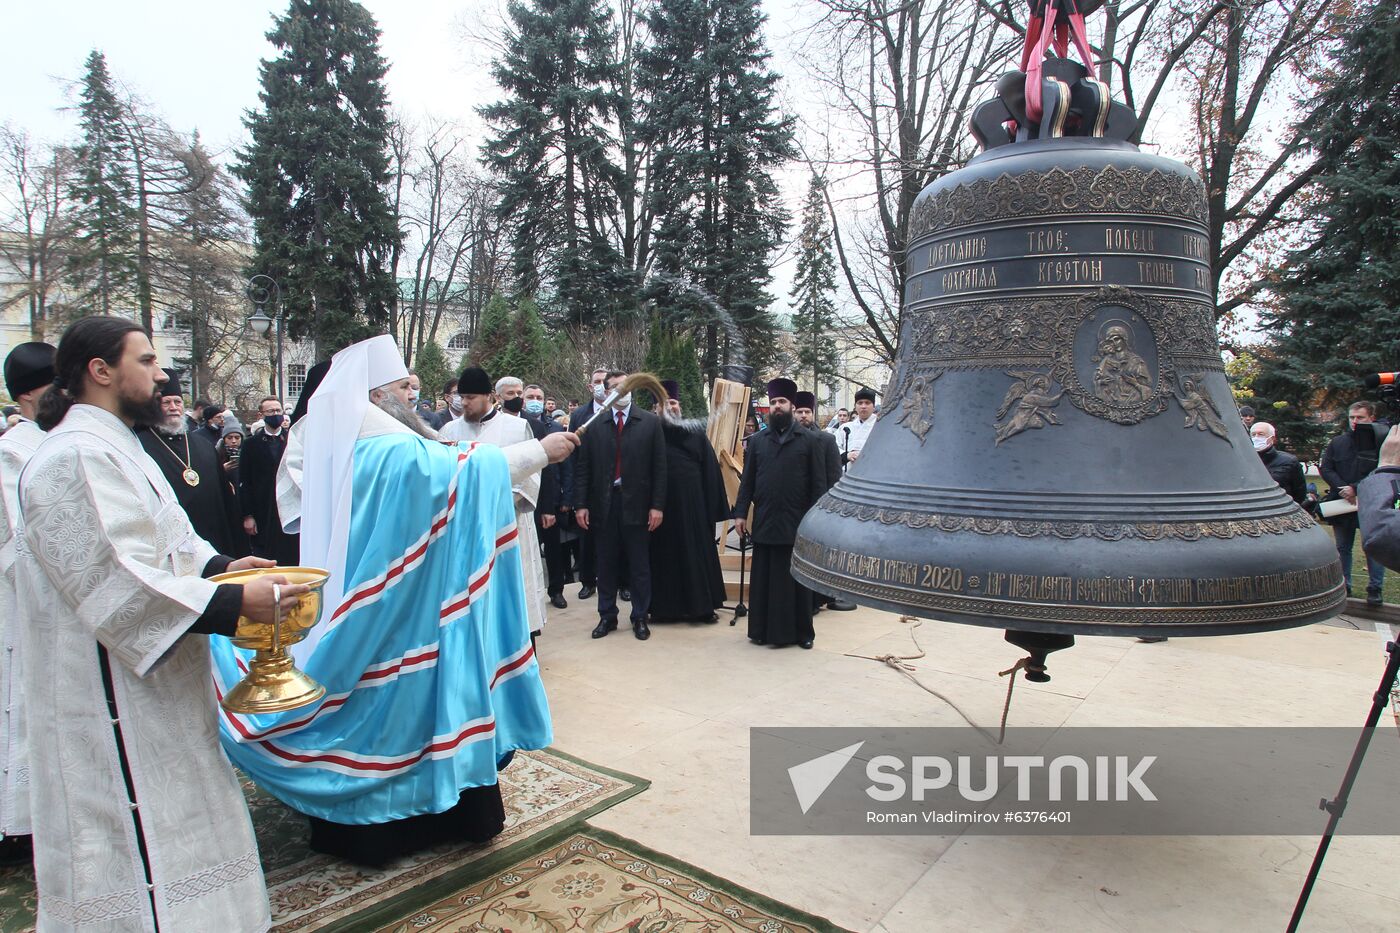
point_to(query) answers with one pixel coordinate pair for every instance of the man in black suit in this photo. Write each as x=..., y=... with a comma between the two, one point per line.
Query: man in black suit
x=598, y=390
x=619, y=493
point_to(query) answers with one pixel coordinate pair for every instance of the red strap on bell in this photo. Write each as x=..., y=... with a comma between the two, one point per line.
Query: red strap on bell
x=1060, y=21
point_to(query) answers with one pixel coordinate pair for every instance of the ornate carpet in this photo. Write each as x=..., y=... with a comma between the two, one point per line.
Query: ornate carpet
x=592, y=881
x=542, y=791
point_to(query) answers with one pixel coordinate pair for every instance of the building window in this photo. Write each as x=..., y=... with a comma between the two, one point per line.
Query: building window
x=458, y=342
x=296, y=379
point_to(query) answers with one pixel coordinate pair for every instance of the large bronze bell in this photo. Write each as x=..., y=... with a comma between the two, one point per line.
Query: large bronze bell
x=1059, y=451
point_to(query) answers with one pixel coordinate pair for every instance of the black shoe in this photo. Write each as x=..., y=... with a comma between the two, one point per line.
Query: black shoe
x=1374, y=602
x=586, y=591
x=714, y=617
x=1152, y=639
x=806, y=644
x=558, y=601
x=603, y=627
x=758, y=641
x=640, y=630
x=837, y=604
x=624, y=595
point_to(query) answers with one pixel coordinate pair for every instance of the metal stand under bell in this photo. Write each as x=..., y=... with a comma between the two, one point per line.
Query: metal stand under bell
x=740, y=610
x=1335, y=808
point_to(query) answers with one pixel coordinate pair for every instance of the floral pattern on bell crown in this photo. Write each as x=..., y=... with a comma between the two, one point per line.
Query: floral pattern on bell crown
x=1108, y=190
x=588, y=886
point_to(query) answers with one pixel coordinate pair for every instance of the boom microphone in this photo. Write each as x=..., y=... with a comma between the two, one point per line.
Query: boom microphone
x=1375, y=380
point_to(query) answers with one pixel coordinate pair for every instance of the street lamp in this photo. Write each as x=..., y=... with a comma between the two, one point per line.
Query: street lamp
x=261, y=291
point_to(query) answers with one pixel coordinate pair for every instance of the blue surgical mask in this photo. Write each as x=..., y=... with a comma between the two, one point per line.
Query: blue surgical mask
x=413, y=396
x=534, y=406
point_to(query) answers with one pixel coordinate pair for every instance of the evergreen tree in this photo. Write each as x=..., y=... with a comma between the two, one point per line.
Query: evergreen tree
x=493, y=335
x=102, y=263
x=672, y=355
x=432, y=369
x=550, y=149
x=814, y=316
x=530, y=346
x=317, y=173
x=716, y=139
x=1340, y=312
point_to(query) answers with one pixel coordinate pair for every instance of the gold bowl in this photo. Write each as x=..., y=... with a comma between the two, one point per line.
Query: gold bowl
x=273, y=683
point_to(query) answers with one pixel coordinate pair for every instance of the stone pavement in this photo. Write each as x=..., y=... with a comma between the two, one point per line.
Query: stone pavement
x=677, y=710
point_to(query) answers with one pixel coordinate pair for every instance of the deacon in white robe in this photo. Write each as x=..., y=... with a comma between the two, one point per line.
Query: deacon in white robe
x=139, y=822
x=28, y=375
x=505, y=430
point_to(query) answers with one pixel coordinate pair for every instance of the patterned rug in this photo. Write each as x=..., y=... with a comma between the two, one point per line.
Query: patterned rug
x=542, y=791
x=594, y=881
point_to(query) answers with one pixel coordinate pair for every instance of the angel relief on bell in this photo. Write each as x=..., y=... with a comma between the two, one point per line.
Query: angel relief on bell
x=1028, y=404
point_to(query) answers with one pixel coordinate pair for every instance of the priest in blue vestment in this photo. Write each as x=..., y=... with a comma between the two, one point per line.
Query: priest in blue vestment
x=424, y=645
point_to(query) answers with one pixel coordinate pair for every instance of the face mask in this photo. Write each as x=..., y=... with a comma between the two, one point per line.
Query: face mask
x=513, y=405
x=623, y=401
x=1261, y=444
x=454, y=404
x=413, y=396
x=273, y=422
x=534, y=406
x=600, y=391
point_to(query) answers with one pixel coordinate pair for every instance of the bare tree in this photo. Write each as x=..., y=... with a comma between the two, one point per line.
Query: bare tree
x=455, y=241
x=905, y=75
x=34, y=227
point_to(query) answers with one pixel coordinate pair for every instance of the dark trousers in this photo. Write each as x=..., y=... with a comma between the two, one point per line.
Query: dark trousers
x=587, y=569
x=554, y=559
x=1345, y=533
x=615, y=543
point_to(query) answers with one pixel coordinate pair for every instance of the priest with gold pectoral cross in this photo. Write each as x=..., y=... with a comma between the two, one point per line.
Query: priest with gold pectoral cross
x=191, y=465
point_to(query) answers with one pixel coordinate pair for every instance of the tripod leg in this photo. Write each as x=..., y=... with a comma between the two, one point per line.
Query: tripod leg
x=1337, y=807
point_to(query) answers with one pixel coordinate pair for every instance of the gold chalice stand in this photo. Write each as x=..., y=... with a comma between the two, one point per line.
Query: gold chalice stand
x=273, y=683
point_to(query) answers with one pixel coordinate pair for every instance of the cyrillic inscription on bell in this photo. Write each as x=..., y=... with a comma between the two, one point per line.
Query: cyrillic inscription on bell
x=1059, y=451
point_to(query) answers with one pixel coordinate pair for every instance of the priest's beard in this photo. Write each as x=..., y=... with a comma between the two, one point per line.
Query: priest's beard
x=143, y=414
x=171, y=425
x=405, y=415
x=780, y=420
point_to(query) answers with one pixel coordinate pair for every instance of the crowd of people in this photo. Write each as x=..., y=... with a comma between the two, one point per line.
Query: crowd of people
x=123, y=506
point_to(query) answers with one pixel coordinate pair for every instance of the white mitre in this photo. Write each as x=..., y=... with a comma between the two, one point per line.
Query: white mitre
x=331, y=428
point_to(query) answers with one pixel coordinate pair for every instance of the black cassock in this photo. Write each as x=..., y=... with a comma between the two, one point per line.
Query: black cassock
x=784, y=475
x=211, y=505
x=686, y=581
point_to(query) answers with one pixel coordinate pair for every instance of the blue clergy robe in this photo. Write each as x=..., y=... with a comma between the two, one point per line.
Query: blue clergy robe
x=427, y=660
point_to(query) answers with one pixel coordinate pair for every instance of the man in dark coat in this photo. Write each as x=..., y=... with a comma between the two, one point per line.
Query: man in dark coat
x=587, y=572
x=620, y=495
x=1349, y=458
x=1283, y=467
x=686, y=581
x=257, y=469
x=804, y=410
x=191, y=465
x=556, y=491
x=785, y=473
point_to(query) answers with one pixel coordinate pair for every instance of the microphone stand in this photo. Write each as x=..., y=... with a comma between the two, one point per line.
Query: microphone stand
x=846, y=448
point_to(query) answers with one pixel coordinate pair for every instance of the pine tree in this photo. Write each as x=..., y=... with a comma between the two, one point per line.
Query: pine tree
x=814, y=315
x=317, y=173
x=493, y=335
x=672, y=355
x=530, y=346
x=716, y=140
x=1340, y=311
x=550, y=149
x=432, y=369
x=102, y=264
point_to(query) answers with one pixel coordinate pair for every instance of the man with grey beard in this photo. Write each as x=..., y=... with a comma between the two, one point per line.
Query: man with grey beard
x=402, y=412
x=191, y=465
